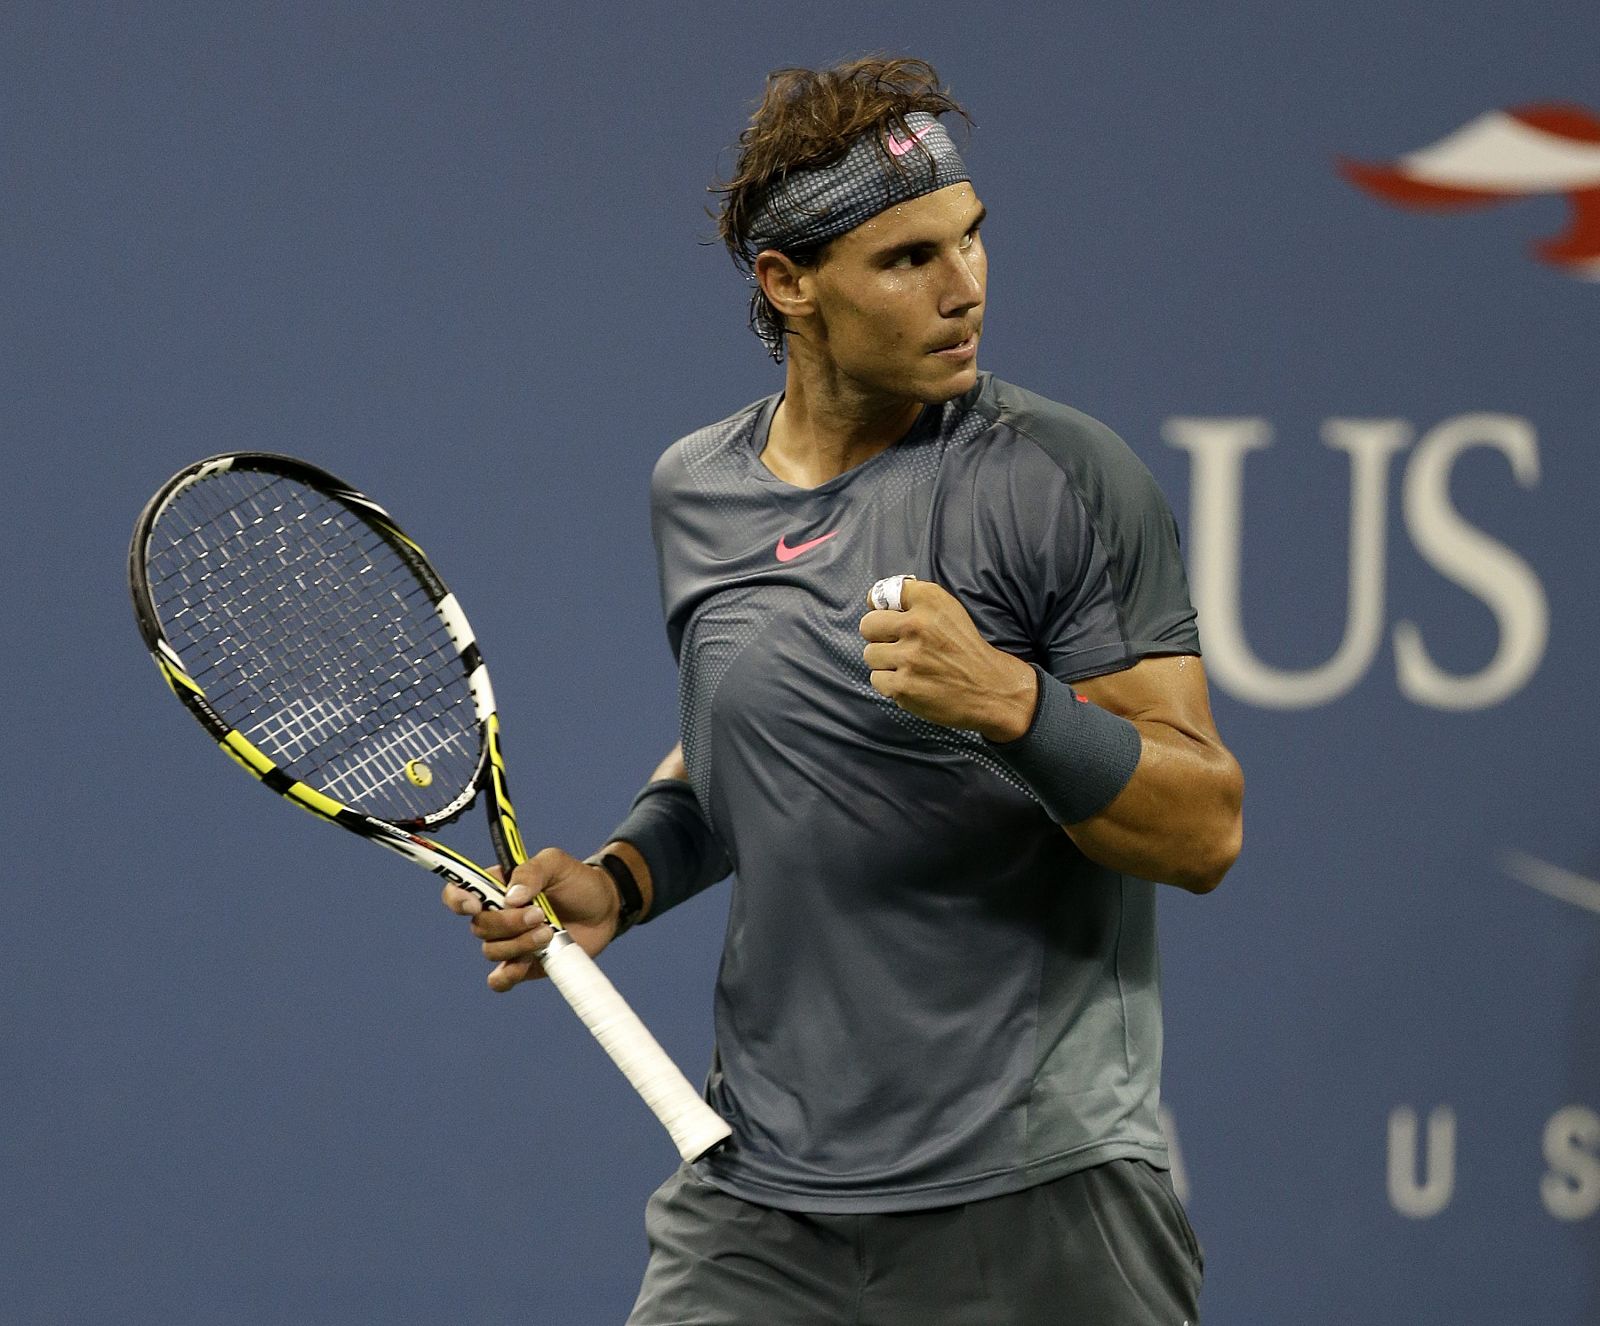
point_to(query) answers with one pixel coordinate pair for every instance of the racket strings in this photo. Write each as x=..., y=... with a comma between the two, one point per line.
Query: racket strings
x=312, y=637
x=305, y=724
x=307, y=619
x=316, y=636
x=312, y=611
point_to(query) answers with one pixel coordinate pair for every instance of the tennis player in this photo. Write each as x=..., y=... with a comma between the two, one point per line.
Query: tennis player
x=938, y=1017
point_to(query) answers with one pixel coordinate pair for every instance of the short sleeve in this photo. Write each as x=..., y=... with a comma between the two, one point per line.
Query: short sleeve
x=1101, y=574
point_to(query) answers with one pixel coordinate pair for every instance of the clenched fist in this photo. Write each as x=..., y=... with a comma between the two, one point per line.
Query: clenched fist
x=930, y=660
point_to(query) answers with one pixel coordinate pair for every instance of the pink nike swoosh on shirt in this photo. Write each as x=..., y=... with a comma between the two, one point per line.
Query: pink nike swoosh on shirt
x=899, y=147
x=788, y=554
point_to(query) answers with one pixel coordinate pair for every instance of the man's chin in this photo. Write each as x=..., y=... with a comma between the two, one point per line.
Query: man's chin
x=953, y=383
x=928, y=383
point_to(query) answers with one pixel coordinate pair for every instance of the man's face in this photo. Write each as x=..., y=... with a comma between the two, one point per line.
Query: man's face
x=899, y=299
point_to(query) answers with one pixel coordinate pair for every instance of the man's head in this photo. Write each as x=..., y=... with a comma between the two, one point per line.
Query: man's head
x=851, y=209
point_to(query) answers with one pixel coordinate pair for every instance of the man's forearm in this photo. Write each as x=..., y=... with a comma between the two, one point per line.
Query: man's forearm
x=1178, y=820
x=1131, y=766
x=673, y=852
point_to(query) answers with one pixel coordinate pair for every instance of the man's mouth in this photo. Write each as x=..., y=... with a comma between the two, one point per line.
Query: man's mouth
x=967, y=345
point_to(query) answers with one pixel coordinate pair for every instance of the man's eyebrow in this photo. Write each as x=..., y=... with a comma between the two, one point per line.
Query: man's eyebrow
x=912, y=245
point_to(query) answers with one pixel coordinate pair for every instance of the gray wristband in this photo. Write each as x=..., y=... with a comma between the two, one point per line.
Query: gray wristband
x=1075, y=756
x=683, y=853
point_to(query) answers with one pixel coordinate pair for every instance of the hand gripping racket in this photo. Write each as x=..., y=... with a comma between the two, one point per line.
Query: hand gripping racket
x=314, y=641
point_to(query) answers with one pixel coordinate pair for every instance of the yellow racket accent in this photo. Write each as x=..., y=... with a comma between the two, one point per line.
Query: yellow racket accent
x=390, y=528
x=177, y=677
x=254, y=762
x=502, y=800
x=508, y=817
x=313, y=800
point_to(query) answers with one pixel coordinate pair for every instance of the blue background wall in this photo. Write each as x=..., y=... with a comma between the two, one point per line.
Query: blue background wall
x=249, y=1070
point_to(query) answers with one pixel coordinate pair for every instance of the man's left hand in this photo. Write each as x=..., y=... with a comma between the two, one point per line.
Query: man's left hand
x=930, y=660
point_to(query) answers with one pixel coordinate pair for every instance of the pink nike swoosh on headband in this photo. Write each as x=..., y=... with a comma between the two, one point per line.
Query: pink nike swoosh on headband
x=899, y=147
x=788, y=554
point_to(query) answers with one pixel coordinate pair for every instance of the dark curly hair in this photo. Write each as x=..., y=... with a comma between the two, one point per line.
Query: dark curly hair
x=809, y=118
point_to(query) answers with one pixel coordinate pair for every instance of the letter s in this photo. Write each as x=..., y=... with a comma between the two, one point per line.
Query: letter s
x=1571, y=1187
x=1481, y=565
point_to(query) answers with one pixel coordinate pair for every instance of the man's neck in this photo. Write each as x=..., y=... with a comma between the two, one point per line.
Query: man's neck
x=823, y=428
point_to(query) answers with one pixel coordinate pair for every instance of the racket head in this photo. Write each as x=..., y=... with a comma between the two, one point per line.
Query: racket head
x=314, y=640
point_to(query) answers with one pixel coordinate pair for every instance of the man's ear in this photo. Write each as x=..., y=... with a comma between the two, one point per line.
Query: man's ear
x=786, y=284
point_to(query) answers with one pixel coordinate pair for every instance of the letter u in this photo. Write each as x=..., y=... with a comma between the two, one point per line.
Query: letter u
x=1217, y=449
x=1432, y=1194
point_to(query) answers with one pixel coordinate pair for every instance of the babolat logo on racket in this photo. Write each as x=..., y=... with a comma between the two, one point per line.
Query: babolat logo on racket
x=187, y=689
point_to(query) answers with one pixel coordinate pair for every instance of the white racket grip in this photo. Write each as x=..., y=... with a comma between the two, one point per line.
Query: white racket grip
x=695, y=1127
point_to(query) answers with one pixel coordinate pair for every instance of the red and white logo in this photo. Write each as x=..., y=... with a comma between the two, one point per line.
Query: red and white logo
x=1527, y=151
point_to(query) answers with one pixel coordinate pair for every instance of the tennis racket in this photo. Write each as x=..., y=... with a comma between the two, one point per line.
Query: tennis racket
x=317, y=645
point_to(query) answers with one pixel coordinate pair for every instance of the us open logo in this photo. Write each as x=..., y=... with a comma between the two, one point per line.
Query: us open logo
x=1529, y=151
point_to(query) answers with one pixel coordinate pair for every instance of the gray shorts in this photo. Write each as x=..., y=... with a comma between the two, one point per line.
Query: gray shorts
x=1106, y=1246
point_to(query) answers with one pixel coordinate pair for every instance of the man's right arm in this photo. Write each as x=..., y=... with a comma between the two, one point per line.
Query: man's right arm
x=583, y=894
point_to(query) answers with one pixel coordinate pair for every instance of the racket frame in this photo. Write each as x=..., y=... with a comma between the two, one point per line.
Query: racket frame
x=489, y=775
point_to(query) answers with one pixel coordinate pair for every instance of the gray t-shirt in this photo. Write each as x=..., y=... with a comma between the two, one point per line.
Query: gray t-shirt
x=927, y=994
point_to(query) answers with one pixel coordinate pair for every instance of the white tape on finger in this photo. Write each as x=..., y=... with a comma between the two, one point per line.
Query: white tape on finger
x=886, y=594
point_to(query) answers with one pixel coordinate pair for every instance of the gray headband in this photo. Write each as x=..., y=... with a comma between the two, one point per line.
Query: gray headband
x=809, y=207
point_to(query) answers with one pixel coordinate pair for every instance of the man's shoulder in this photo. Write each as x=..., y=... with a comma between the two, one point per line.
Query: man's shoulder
x=705, y=444
x=1048, y=451
x=1075, y=441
